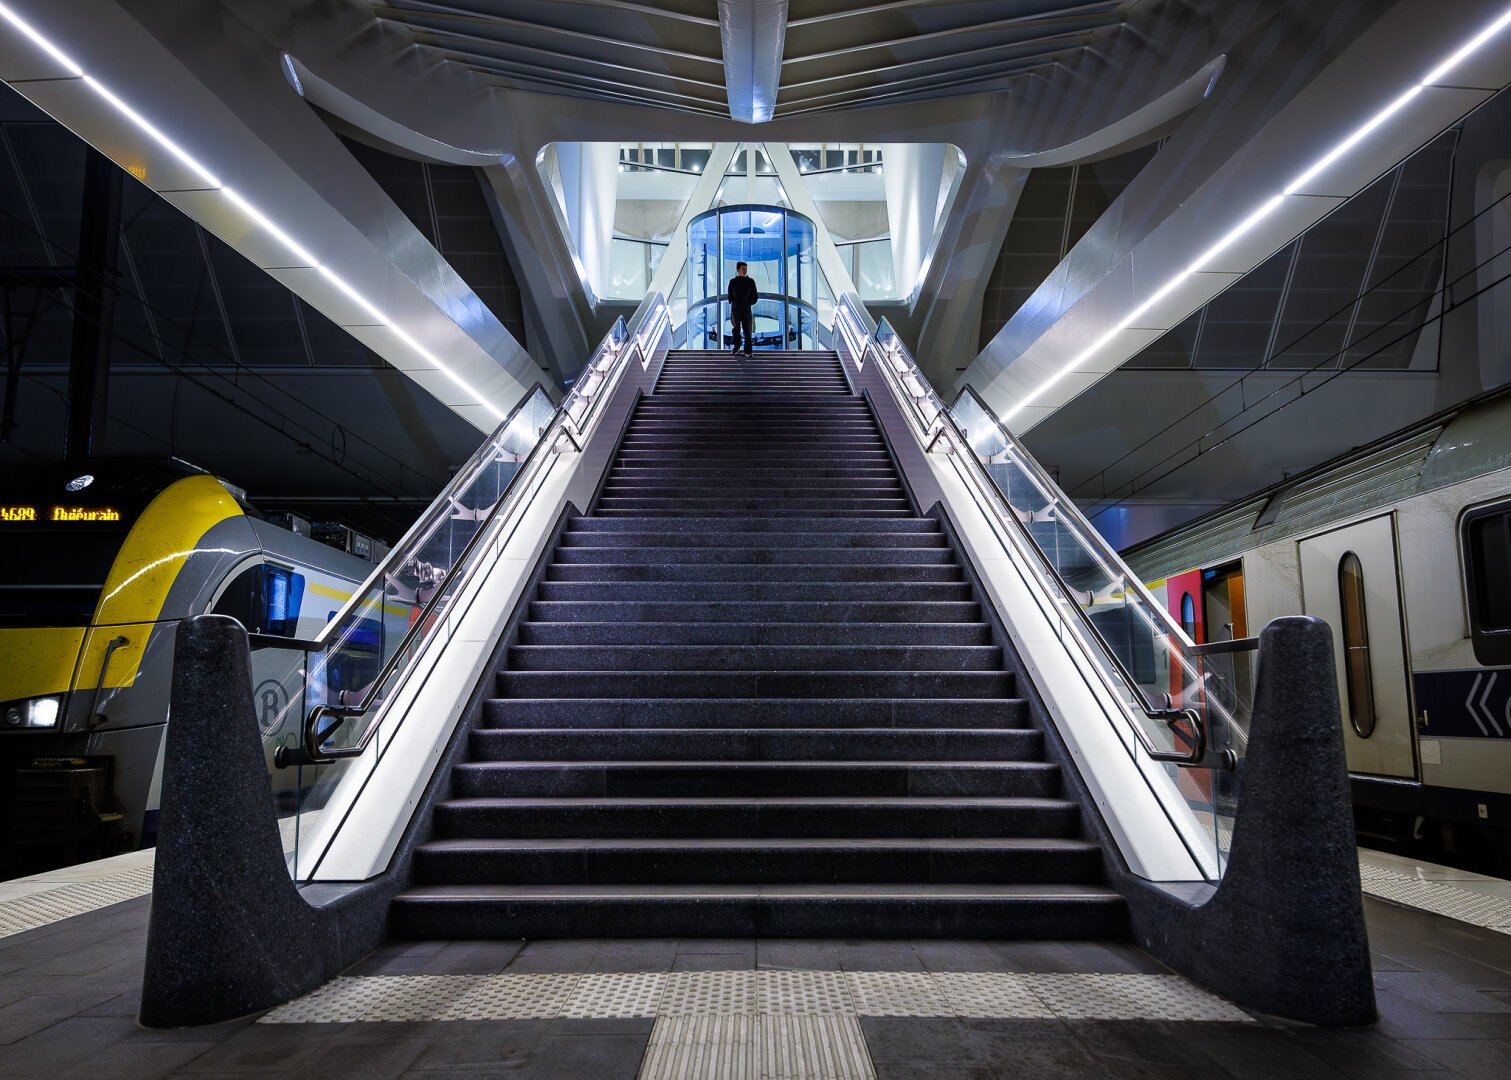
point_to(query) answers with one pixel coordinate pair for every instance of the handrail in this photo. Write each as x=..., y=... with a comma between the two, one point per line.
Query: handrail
x=567, y=425
x=938, y=423
x=398, y=555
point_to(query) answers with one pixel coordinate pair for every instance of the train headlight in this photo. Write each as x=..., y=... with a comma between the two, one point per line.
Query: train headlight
x=39, y=712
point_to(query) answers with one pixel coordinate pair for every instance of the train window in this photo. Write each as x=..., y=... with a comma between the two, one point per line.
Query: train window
x=1188, y=615
x=1486, y=538
x=1357, y=677
x=264, y=598
x=242, y=599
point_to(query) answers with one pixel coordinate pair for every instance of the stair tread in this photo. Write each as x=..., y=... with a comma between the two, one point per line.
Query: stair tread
x=1002, y=802
x=788, y=843
x=767, y=764
x=1034, y=891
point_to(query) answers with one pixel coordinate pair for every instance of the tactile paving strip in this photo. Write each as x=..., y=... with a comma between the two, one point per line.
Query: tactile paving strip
x=698, y=1047
x=757, y=1048
x=391, y=998
x=803, y=993
x=897, y=993
x=827, y=1047
x=691, y=993
x=1438, y=897
x=77, y=898
x=1129, y=997
x=990, y=994
x=601, y=997
x=514, y=997
x=697, y=994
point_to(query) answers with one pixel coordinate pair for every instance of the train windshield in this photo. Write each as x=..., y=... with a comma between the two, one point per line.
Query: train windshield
x=60, y=530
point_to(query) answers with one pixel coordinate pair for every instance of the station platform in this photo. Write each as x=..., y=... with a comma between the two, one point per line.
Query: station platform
x=72, y=942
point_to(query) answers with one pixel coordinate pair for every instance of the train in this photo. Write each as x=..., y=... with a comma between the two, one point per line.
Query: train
x=101, y=561
x=1403, y=547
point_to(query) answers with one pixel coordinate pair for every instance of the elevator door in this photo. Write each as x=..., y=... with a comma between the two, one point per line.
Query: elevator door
x=1349, y=578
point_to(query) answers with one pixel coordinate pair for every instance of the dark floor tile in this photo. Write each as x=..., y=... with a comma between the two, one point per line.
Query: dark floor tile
x=37, y=1011
x=942, y=1040
x=63, y=1045
x=613, y=1025
x=1403, y=1019
x=364, y=1052
x=1256, y=1053
x=392, y=964
x=714, y=962
x=267, y=1048
x=587, y=1057
x=496, y=1044
x=1115, y=957
x=554, y=956
x=958, y=956
x=1038, y=956
x=623, y=956
x=1140, y=1042
x=1472, y=1059
x=124, y=1004
x=807, y=954
x=738, y=946
x=879, y=956
x=473, y=958
x=137, y=1061
x=1363, y=1054
x=88, y=960
x=409, y=948
x=1438, y=992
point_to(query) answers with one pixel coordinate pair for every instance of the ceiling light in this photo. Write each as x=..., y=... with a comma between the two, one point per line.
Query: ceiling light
x=1268, y=207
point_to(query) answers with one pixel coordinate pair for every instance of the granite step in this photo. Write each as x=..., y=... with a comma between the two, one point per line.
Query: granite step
x=755, y=744
x=730, y=658
x=750, y=818
x=763, y=779
x=770, y=861
x=832, y=713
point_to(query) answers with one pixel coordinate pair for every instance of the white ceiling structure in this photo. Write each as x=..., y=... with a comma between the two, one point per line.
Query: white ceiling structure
x=1271, y=113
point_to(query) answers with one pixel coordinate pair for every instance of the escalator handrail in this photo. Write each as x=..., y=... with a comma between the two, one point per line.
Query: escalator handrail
x=622, y=343
x=947, y=427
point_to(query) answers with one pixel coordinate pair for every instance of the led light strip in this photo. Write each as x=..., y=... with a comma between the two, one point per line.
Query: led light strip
x=236, y=199
x=1248, y=224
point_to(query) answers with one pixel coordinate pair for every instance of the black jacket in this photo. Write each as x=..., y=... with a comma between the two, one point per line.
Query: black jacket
x=742, y=294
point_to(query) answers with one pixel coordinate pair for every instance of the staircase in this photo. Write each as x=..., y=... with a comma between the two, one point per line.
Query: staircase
x=755, y=696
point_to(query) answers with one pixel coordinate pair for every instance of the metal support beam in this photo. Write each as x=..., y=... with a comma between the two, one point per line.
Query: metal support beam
x=93, y=305
x=753, y=33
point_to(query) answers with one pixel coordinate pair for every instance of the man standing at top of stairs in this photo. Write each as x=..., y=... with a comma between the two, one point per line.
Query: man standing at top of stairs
x=742, y=301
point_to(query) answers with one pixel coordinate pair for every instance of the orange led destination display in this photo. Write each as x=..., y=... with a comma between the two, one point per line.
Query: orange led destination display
x=15, y=515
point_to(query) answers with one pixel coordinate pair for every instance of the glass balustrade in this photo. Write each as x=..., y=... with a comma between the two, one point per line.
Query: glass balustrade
x=1187, y=705
x=367, y=648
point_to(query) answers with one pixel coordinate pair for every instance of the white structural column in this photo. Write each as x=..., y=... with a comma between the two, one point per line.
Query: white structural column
x=590, y=188
x=753, y=33
x=829, y=261
x=664, y=280
x=912, y=173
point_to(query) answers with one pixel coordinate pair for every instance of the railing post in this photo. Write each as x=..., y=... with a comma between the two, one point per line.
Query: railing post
x=1284, y=933
x=226, y=921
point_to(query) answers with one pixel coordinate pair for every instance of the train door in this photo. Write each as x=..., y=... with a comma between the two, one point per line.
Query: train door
x=1350, y=578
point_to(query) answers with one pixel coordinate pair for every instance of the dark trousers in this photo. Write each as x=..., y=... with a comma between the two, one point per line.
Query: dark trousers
x=744, y=322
